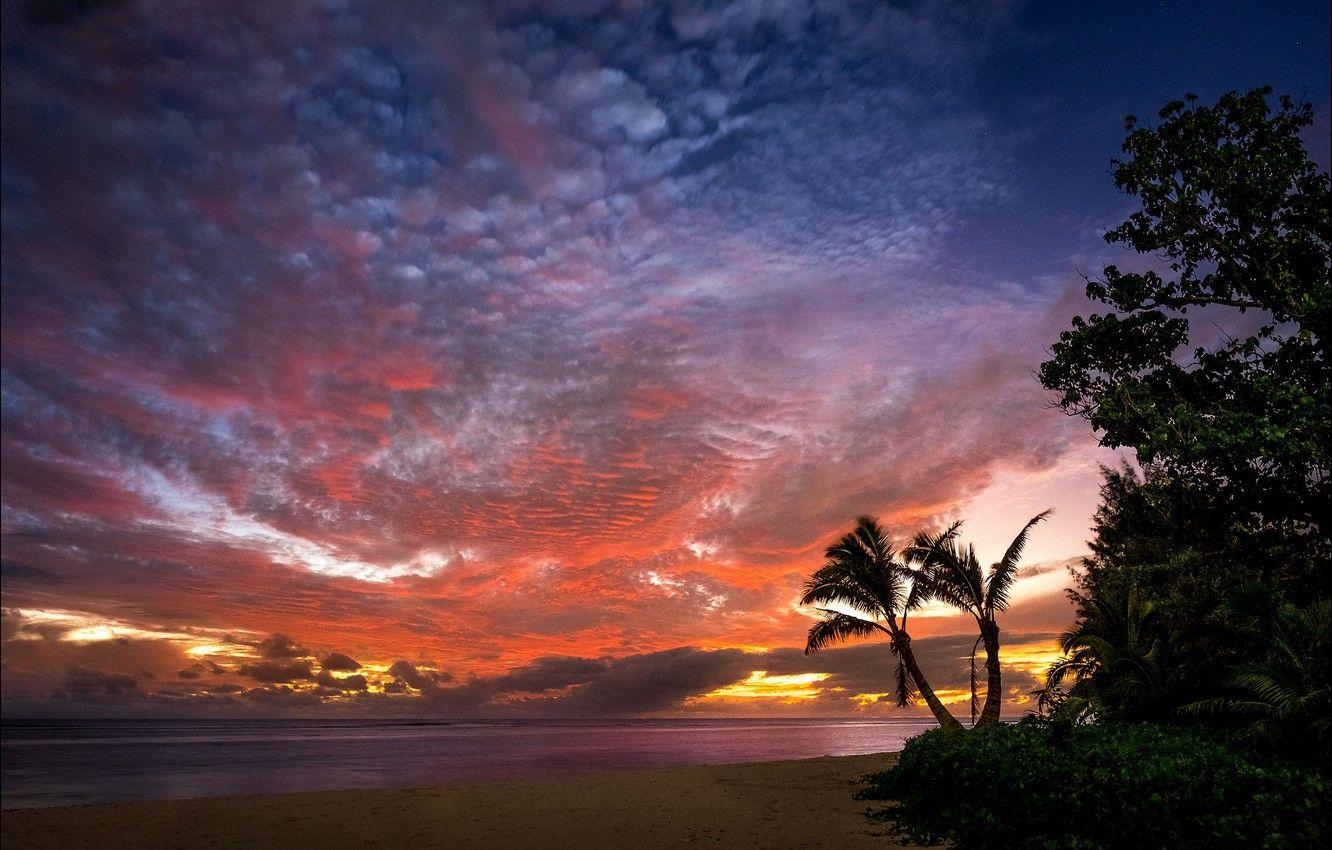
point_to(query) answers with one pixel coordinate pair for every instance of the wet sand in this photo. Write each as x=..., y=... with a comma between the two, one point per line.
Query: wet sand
x=783, y=804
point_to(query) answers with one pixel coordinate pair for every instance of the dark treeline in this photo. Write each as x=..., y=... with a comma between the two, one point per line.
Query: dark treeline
x=1207, y=592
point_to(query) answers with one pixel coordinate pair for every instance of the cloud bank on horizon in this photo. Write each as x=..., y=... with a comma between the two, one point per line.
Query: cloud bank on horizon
x=510, y=356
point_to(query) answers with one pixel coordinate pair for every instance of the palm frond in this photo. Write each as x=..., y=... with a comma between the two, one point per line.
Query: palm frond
x=843, y=593
x=837, y=628
x=1062, y=669
x=874, y=538
x=947, y=571
x=925, y=543
x=1004, y=573
x=865, y=558
x=905, y=692
x=975, y=705
x=945, y=586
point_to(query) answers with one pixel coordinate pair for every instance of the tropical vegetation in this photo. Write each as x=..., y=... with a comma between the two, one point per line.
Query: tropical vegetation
x=864, y=576
x=948, y=571
x=1192, y=704
x=1038, y=785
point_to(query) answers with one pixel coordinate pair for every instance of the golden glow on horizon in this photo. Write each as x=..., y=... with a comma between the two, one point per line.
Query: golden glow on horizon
x=759, y=685
x=226, y=657
x=953, y=696
x=1032, y=658
x=229, y=650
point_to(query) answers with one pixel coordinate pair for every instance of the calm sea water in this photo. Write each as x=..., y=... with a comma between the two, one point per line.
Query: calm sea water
x=59, y=762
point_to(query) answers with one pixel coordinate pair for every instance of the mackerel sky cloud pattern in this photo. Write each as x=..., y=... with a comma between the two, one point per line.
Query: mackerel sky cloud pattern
x=520, y=343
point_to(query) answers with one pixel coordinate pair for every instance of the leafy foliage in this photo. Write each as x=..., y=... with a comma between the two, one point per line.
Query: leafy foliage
x=1179, y=615
x=1101, y=787
x=1234, y=439
x=1112, y=657
x=1205, y=599
x=1242, y=220
x=1287, y=692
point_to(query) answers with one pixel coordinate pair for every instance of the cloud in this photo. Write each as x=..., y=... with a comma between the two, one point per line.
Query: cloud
x=277, y=672
x=280, y=646
x=404, y=672
x=81, y=683
x=335, y=685
x=339, y=661
x=141, y=678
x=521, y=340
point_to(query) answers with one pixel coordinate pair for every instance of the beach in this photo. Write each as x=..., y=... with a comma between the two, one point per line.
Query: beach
x=805, y=803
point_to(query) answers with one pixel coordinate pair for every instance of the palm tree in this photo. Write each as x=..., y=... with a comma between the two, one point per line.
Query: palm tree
x=1112, y=654
x=1288, y=691
x=872, y=592
x=947, y=570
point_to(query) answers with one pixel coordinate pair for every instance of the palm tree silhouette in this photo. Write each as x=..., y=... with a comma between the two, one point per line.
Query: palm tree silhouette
x=873, y=592
x=948, y=571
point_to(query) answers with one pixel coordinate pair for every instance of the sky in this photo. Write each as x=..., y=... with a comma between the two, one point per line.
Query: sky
x=521, y=358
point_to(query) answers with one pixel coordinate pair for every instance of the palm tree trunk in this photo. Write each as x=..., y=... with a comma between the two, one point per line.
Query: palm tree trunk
x=902, y=643
x=994, y=690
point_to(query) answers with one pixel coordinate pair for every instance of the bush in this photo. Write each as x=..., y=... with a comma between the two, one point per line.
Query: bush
x=1040, y=785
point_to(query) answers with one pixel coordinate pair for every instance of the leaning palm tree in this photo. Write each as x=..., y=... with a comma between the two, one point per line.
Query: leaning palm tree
x=948, y=571
x=863, y=589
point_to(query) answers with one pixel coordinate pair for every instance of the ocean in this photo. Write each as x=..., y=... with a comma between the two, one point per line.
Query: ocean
x=62, y=762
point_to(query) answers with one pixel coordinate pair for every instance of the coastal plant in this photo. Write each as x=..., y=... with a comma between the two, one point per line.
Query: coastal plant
x=864, y=589
x=1232, y=437
x=1111, y=657
x=1039, y=786
x=948, y=571
x=1234, y=226
x=1287, y=694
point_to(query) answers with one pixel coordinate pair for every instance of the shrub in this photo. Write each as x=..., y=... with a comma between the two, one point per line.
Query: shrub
x=1102, y=787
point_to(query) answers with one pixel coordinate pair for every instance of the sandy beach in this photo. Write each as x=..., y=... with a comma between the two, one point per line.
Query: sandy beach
x=782, y=804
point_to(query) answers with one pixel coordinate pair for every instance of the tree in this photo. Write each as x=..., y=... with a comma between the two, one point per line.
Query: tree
x=1286, y=691
x=870, y=592
x=1166, y=546
x=948, y=571
x=1239, y=220
x=1112, y=657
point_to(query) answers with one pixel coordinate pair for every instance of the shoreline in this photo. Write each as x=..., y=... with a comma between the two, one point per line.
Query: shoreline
x=802, y=803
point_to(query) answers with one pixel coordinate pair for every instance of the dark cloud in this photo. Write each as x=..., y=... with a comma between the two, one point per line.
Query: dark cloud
x=354, y=682
x=339, y=661
x=657, y=681
x=201, y=668
x=82, y=683
x=423, y=680
x=15, y=573
x=336, y=684
x=280, y=646
x=663, y=681
x=277, y=672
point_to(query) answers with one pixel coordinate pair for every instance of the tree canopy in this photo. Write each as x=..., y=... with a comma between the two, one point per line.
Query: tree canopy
x=1235, y=223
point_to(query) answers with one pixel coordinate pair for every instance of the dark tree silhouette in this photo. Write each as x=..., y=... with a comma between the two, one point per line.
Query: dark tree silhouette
x=871, y=591
x=948, y=571
x=1239, y=220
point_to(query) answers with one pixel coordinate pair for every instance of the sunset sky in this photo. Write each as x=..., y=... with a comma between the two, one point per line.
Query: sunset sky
x=521, y=358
